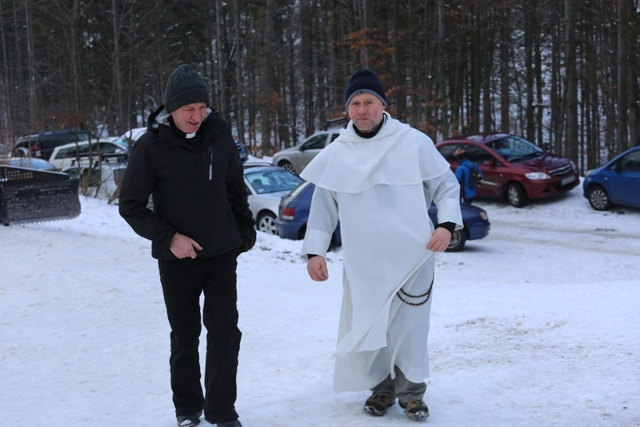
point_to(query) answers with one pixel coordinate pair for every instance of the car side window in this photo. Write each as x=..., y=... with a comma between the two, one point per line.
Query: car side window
x=315, y=143
x=87, y=150
x=108, y=148
x=447, y=150
x=477, y=154
x=630, y=162
x=66, y=153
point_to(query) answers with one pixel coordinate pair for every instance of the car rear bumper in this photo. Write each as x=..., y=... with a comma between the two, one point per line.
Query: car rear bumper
x=289, y=229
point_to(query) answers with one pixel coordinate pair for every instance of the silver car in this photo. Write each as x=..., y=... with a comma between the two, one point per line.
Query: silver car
x=266, y=184
x=295, y=159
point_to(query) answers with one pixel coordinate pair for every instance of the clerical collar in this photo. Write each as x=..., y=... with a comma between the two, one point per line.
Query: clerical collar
x=185, y=135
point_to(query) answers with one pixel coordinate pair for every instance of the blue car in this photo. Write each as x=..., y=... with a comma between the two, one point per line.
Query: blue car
x=617, y=182
x=294, y=213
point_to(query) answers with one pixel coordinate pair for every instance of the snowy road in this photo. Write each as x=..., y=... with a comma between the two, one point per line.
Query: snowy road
x=535, y=325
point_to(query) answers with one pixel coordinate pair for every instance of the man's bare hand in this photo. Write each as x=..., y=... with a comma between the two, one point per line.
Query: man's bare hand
x=317, y=269
x=184, y=247
x=440, y=240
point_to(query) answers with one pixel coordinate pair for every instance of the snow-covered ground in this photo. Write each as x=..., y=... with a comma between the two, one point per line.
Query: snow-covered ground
x=535, y=325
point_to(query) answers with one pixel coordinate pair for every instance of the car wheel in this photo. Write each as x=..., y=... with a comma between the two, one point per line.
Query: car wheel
x=267, y=223
x=458, y=239
x=20, y=152
x=598, y=198
x=516, y=195
x=288, y=167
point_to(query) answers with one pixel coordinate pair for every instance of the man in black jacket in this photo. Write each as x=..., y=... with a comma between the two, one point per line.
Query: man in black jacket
x=188, y=163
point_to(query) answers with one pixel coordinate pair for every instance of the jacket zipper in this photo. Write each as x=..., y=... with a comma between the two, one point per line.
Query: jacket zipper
x=210, y=163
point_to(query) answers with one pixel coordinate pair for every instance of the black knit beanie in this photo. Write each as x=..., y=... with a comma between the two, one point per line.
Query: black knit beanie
x=184, y=87
x=364, y=81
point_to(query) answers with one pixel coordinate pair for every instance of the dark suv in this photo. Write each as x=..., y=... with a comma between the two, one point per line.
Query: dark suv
x=513, y=168
x=42, y=144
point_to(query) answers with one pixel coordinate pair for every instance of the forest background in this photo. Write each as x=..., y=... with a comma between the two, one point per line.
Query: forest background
x=562, y=73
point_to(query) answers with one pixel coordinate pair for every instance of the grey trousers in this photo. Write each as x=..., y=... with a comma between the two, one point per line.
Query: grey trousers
x=401, y=387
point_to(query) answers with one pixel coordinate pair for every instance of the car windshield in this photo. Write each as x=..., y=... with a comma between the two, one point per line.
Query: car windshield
x=514, y=148
x=272, y=180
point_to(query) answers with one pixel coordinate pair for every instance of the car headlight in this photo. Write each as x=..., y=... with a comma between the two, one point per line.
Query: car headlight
x=537, y=175
x=573, y=165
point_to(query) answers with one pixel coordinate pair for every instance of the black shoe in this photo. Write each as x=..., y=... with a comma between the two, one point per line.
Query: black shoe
x=416, y=410
x=190, y=420
x=235, y=423
x=377, y=404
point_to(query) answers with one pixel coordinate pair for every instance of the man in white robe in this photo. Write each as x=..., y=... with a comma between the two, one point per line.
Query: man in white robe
x=378, y=178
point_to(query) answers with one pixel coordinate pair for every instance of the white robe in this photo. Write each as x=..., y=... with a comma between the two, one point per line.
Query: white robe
x=380, y=190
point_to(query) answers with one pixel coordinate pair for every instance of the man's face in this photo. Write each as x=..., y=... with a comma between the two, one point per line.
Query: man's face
x=365, y=111
x=189, y=117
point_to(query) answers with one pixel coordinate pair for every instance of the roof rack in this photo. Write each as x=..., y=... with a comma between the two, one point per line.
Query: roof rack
x=337, y=122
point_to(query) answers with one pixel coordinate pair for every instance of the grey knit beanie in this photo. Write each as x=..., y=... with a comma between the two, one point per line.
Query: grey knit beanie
x=184, y=86
x=364, y=81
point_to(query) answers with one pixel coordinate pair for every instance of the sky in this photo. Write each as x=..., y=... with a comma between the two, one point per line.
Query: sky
x=534, y=325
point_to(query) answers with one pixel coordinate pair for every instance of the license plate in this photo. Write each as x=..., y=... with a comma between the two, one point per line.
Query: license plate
x=568, y=180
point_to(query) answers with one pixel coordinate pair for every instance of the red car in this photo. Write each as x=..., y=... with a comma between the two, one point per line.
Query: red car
x=513, y=168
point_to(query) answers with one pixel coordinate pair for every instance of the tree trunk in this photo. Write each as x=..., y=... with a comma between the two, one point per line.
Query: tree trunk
x=240, y=104
x=623, y=76
x=505, y=71
x=570, y=148
x=267, y=87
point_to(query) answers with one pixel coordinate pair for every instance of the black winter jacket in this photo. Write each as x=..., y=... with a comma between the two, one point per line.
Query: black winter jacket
x=197, y=188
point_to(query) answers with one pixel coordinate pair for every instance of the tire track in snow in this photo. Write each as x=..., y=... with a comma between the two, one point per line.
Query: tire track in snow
x=607, y=240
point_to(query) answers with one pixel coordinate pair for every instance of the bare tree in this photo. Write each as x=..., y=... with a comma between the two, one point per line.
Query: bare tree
x=564, y=73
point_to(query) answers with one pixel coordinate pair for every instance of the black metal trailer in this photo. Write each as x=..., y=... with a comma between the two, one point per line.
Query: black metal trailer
x=28, y=195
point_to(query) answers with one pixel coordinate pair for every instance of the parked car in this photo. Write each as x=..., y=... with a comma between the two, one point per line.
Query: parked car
x=132, y=135
x=266, y=184
x=66, y=156
x=513, y=168
x=295, y=159
x=294, y=214
x=617, y=182
x=29, y=163
x=42, y=144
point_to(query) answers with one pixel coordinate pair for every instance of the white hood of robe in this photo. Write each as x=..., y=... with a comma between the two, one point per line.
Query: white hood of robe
x=351, y=164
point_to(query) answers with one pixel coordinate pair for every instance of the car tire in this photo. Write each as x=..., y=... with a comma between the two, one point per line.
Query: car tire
x=516, y=196
x=20, y=152
x=287, y=166
x=458, y=240
x=267, y=223
x=598, y=198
